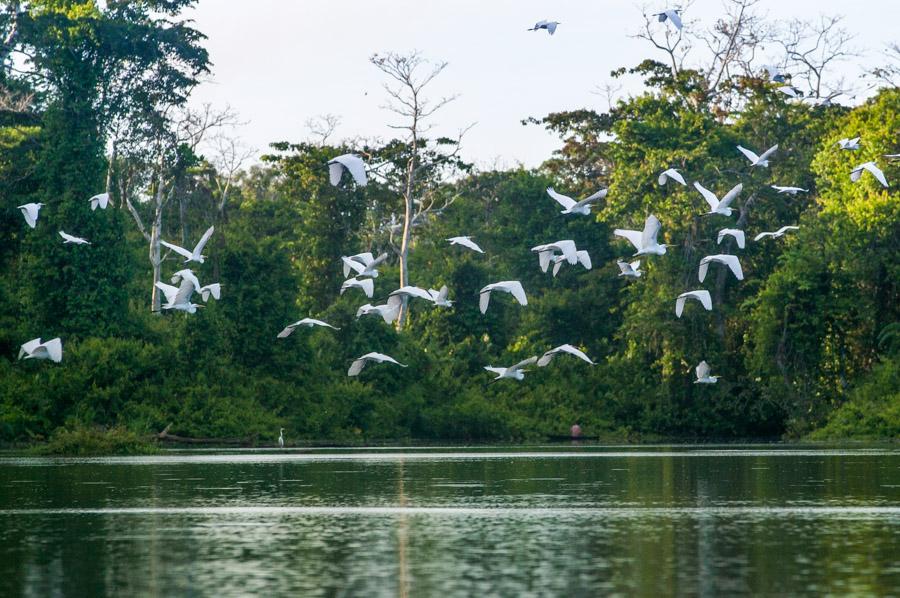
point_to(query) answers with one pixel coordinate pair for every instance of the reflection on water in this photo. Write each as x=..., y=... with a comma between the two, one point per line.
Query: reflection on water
x=576, y=521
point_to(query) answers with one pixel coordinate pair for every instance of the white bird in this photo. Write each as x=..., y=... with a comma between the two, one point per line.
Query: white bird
x=281, y=438
x=548, y=250
x=631, y=270
x=404, y=294
x=671, y=173
x=731, y=261
x=388, y=313
x=179, y=298
x=101, y=200
x=571, y=206
x=547, y=357
x=702, y=296
x=755, y=160
x=30, y=212
x=513, y=287
x=440, y=297
x=364, y=264
x=214, y=289
x=848, y=144
x=366, y=284
x=358, y=364
x=871, y=167
x=306, y=322
x=703, y=376
x=188, y=274
x=790, y=91
x=582, y=255
x=35, y=349
x=353, y=164
x=775, y=73
x=644, y=242
x=737, y=233
x=466, y=242
x=717, y=206
x=779, y=233
x=550, y=26
x=790, y=190
x=516, y=372
x=669, y=15
x=196, y=254
x=67, y=238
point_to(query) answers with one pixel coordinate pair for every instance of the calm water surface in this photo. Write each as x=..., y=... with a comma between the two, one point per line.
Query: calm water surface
x=562, y=520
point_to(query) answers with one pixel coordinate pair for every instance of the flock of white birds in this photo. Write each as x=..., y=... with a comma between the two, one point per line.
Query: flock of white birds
x=364, y=266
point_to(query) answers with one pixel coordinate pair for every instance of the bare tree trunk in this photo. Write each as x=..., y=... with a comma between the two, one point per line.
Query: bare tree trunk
x=155, y=238
x=407, y=231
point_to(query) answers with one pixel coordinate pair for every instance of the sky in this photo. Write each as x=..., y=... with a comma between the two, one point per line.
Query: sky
x=278, y=63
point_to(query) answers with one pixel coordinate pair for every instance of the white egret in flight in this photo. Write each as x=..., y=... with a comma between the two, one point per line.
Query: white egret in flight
x=871, y=167
x=30, y=212
x=791, y=91
x=731, y=261
x=631, y=270
x=196, y=254
x=179, y=298
x=702, y=296
x=358, y=364
x=703, y=376
x=214, y=289
x=513, y=287
x=549, y=26
x=547, y=357
x=353, y=164
x=848, y=144
x=388, y=313
x=35, y=349
x=515, y=372
x=305, y=322
x=670, y=15
x=440, y=297
x=672, y=174
x=571, y=206
x=736, y=233
x=762, y=160
x=644, y=242
x=404, y=294
x=466, y=242
x=582, y=255
x=548, y=250
x=717, y=206
x=367, y=285
x=778, y=233
x=67, y=238
x=790, y=190
x=101, y=200
x=364, y=264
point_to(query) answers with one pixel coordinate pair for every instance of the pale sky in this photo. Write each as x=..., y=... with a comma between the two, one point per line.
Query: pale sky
x=281, y=62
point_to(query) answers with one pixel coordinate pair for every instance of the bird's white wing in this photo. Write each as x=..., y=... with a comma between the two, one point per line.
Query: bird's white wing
x=788, y=91
x=366, y=284
x=762, y=236
x=740, y=238
x=708, y=195
x=557, y=264
x=856, y=173
x=363, y=309
x=563, y=200
x=364, y=258
x=30, y=213
x=29, y=347
x=198, y=249
x=735, y=264
x=768, y=153
x=633, y=236
x=679, y=305
x=498, y=371
x=750, y=155
x=785, y=229
x=624, y=267
x=704, y=267
x=584, y=258
x=54, y=349
x=389, y=313
x=547, y=357
x=315, y=322
x=591, y=199
x=189, y=274
x=179, y=250
x=871, y=167
x=378, y=260
x=466, y=242
x=214, y=289
x=674, y=17
x=287, y=331
x=351, y=264
x=568, y=250
x=544, y=258
x=514, y=287
x=523, y=363
x=704, y=298
x=185, y=290
x=442, y=295
x=702, y=370
x=335, y=170
x=672, y=174
x=729, y=197
x=484, y=298
x=168, y=290
x=651, y=230
x=355, y=166
x=357, y=366
x=635, y=265
x=551, y=27
x=574, y=351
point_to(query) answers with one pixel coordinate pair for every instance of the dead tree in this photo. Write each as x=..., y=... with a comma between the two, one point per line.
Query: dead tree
x=812, y=48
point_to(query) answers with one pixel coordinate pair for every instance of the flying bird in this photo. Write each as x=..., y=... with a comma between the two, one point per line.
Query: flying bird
x=790, y=190
x=790, y=91
x=101, y=200
x=367, y=285
x=466, y=242
x=388, y=313
x=582, y=255
x=306, y=322
x=848, y=144
x=67, y=238
x=717, y=206
x=703, y=376
x=550, y=26
x=778, y=233
x=364, y=264
x=571, y=206
x=731, y=261
x=179, y=298
x=871, y=167
x=671, y=173
x=516, y=372
x=669, y=15
x=513, y=287
x=755, y=160
x=353, y=164
x=631, y=270
x=404, y=294
x=644, y=242
x=892, y=156
x=775, y=73
x=358, y=364
x=214, y=289
x=547, y=357
x=440, y=297
x=736, y=233
x=30, y=212
x=702, y=296
x=196, y=254
x=548, y=250
x=35, y=349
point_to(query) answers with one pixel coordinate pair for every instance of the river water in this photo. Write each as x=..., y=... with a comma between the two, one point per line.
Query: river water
x=559, y=520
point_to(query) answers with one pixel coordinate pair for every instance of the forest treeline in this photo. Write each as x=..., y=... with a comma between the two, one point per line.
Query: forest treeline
x=95, y=99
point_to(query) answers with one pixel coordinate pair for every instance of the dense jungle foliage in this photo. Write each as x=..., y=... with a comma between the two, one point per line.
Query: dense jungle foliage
x=808, y=343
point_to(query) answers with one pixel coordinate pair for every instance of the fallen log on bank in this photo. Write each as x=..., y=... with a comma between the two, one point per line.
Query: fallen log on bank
x=165, y=436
